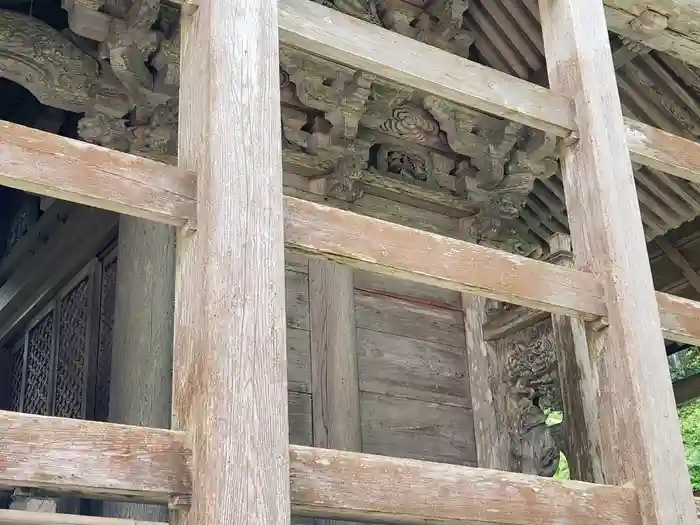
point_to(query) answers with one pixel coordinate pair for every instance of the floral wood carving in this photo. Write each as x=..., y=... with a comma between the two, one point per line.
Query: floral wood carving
x=37, y=57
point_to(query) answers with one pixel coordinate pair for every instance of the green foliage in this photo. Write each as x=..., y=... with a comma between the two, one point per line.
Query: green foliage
x=689, y=416
x=554, y=418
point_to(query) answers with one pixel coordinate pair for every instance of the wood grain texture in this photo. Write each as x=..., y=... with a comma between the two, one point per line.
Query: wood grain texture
x=578, y=382
x=398, y=251
x=337, y=36
x=335, y=398
x=412, y=368
x=640, y=434
x=63, y=168
x=409, y=318
x=230, y=370
x=408, y=290
x=346, y=485
x=140, y=387
x=663, y=151
x=20, y=517
x=409, y=428
x=488, y=389
x=92, y=458
x=334, y=375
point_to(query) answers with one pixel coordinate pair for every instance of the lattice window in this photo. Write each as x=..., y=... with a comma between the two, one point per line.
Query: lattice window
x=104, y=349
x=16, y=374
x=72, y=347
x=40, y=343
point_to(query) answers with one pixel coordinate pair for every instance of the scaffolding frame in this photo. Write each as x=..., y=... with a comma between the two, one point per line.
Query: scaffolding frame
x=227, y=458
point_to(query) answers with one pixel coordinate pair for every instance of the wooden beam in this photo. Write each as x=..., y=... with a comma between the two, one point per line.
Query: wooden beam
x=230, y=351
x=407, y=253
x=336, y=36
x=154, y=465
x=581, y=425
x=580, y=293
x=46, y=164
x=23, y=517
x=666, y=152
x=687, y=389
x=93, y=459
x=676, y=257
x=335, y=399
x=394, y=490
x=639, y=430
x=140, y=383
x=488, y=388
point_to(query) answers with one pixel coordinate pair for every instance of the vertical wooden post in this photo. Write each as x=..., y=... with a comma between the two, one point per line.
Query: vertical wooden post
x=578, y=383
x=335, y=400
x=488, y=387
x=230, y=375
x=640, y=435
x=334, y=376
x=142, y=349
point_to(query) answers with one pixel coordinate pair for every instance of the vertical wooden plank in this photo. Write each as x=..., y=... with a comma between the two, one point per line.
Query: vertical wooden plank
x=142, y=343
x=334, y=375
x=640, y=435
x=578, y=383
x=230, y=377
x=335, y=392
x=488, y=389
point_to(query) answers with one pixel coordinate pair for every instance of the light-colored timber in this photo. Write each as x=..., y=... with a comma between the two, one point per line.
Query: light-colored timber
x=54, y=166
x=23, y=517
x=639, y=440
x=230, y=350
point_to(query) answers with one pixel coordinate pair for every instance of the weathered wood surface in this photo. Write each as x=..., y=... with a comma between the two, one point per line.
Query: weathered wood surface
x=393, y=490
x=152, y=464
x=46, y=164
x=142, y=348
x=337, y=36
x=577, y=380
x=663, y=151
x=21, y=517
x=407, y=367
x=93, y=458
x=640, y=434
x=397, y=251
x=410, y=428
x=230, y=369
x=488, y=387
x=335, y=397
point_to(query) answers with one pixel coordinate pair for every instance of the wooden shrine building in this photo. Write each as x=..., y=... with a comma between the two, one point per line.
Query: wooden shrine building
x=323, y=261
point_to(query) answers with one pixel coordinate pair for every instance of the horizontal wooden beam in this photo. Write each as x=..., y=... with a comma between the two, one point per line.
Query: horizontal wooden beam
x=25, y=517
x=59, y=167
x=152, y=465
x=363, y=487
x=398, y=251
x=334, y=35
x=47, y=164
x=680, y=320
x=93, y=459
x=649, y=146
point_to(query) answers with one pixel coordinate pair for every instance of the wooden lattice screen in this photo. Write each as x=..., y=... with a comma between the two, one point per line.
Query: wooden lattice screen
x=61, y=360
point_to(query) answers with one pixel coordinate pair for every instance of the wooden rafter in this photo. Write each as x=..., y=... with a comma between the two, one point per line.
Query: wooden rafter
x=676, y=257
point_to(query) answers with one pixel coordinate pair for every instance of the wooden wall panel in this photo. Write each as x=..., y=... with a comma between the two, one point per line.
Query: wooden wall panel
x=415, y=399
x=411, y=368
x=409, y=319
x=394, y=426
